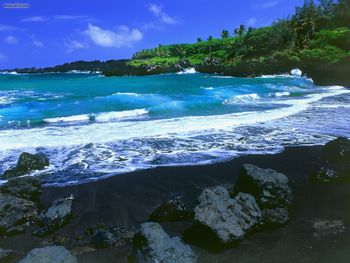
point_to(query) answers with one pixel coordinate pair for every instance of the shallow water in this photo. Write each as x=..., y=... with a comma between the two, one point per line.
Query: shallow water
x=91, y=126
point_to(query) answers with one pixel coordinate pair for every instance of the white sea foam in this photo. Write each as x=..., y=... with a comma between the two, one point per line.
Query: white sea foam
x=114, y=131
x=242, y=98
x=281, y=94
x=115, y=115
x=126, y=94
x=188, y=71
x=75, y=118
x=296, y=72
x=99, y=117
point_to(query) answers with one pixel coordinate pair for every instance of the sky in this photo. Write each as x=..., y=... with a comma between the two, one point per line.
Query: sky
x=41, y=33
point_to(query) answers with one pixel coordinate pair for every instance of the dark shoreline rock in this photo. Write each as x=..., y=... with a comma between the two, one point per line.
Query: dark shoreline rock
x=52, y=254
x=229, y=218
x=26, y=163
x=270, y=188
x=54, y=217
x=27, y=187
x=153, y=244
x=173, y=210
x=16, y=214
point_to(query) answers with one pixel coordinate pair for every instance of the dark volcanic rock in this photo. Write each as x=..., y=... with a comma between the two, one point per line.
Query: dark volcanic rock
x=269, y=187
x=54, y=217
x=27, y=162
x=324, y=175
x=338, y=149
x=173, y=210
x=152, y=244
x=5, y=254
x=102, y=237
x=15, y=214
x=49, y=254
x=274, y=217
x=27, y=187
x=229, y=218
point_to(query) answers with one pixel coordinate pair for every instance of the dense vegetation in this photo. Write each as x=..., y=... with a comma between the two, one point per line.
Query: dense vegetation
x=317, y=33
x=316, y=38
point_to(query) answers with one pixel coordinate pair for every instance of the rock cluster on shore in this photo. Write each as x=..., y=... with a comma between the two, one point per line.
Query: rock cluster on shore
x=260, y=199
x=20, y=210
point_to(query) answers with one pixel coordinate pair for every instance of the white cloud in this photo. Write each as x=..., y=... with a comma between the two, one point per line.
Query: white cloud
x=2, y=57
x=71, y=45
x=34, y=19
x=157, y=10
x=70, y=17
x=252, y=21
x=124, y=37
x=8, y=28
x=11, y=40
x=36, y=42
x=269, y=4
x=74, y=44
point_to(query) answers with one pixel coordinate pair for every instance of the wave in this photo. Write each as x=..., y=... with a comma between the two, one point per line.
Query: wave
x=242, y=98
x=9, y=73
x=115, y=115
x=99, y=117
x=188, y=71
x=280, y=94
x=74, y=118
x=112, y=131
x=126, y=94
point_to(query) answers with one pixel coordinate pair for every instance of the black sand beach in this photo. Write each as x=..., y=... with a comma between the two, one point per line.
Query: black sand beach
x=129, y=199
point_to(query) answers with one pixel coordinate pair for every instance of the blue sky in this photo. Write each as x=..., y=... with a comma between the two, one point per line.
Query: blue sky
x=46, y=33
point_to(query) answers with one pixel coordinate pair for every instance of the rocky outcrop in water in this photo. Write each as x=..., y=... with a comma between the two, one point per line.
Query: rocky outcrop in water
x=49, y=254
x=229, y=218
x=26, y=163
x=54, y=217
x=152, y=244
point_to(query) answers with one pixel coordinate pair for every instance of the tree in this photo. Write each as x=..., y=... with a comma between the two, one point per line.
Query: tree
x=240, y=30
x=199, y=40
x=210, y=38
x=224, y=34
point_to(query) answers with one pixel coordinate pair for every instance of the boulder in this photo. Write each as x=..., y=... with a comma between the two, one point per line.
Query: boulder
x=153, y=244
x=172, y=210
x=328, y=228
x=324, y=175
x=270, y=188
x=27, y=162
x=57, y=215
x=15, y=214
x=5, y=254
x=49, y=254
x=229, y=218
x=27, y=187
x=274, y=217
x=101, y=237
x=338, y=149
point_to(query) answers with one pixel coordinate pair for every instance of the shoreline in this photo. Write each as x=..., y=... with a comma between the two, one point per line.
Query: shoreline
x=126, y=200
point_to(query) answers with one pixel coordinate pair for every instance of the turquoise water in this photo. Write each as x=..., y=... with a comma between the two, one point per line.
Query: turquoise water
x=91, y=126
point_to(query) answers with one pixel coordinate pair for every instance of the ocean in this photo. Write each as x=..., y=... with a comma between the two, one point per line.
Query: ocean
x=92, y=127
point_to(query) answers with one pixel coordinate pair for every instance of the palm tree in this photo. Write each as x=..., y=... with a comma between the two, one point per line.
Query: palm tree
x=210, y=39
x=199, y=39
x=224, y=34
x=241, y=30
